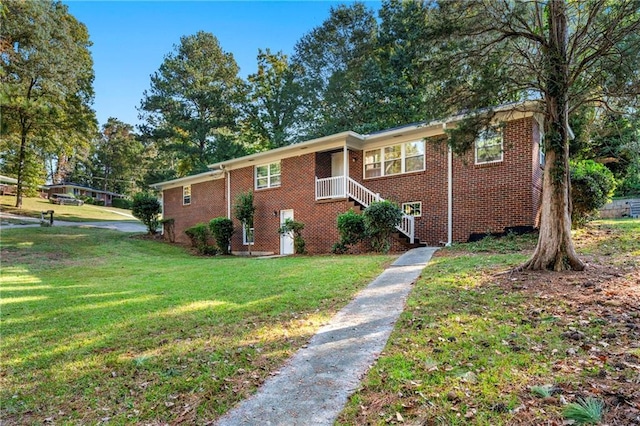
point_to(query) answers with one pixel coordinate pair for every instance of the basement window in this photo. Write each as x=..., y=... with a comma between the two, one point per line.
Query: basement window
x=247, y=236
x=413, y=208
x=186, y=195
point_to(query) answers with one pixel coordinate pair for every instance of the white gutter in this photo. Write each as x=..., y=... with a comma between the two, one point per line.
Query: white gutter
x=449, y=192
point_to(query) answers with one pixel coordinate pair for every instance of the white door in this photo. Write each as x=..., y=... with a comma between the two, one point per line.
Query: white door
x=337, y=164
x=286, y=240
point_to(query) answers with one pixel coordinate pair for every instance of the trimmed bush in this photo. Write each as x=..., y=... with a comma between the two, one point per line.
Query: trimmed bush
x=121, y=203
x=290, y=225
x=380, y=220
x=222, y=229
x=199, y=236
x=592, y=185
x=146, y=208
x=352, y=231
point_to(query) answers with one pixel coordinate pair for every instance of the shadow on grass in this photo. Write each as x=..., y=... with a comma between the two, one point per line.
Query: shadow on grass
x=137, y=331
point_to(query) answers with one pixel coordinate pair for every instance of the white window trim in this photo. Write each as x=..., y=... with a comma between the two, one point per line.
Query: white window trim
x=269, y=185
x=403, y=160
x=413, y=202
x=184, y=196
x=475, y=149
x=244, y=236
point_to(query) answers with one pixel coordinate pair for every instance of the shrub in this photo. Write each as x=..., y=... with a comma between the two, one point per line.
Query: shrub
x=98, y=203
x=147, y=208
x=585, y=411
x=592, y=185
x=352, y=231
x=290, y=225
x=121, y=203
x=380, y=220
x=244, y=210
x=222, y=229
x=199, y=236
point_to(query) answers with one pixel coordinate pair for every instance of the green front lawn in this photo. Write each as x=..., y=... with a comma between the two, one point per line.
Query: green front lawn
x=32, y=206
x=476, y=345
x=100, y=326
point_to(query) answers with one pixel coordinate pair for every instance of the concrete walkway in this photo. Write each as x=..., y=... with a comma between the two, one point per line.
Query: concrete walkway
x=313, y=386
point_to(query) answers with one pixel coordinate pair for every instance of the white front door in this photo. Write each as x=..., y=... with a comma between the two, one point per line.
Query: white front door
x=337, y=164
x=286, y=240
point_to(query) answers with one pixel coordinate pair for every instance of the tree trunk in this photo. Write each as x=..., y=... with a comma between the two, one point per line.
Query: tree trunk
x=555, y=248
x=21, y=158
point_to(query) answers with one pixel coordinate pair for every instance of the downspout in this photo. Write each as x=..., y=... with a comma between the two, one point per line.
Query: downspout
x=228, y=181
x=449, y=192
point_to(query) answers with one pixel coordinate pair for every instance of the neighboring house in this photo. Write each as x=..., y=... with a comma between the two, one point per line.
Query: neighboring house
x=446, y=198
x=8, y=185
x=83, y=191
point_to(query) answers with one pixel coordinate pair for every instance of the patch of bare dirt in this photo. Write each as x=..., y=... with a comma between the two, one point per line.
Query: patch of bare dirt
x=605, y=298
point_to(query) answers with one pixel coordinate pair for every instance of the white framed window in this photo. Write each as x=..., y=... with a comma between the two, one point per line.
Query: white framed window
x=541, y=153
x=268, y=175
x=489, y=146
x=186, y=195
x=394, y=159
x=247, y=236
x=413, y=208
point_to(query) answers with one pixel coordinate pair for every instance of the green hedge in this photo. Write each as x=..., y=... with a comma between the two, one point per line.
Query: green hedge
x=122, y=203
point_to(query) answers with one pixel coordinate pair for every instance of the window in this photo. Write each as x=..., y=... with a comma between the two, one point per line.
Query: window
x=412, y=209
x=395, y=159
x=541, y=152
x=247, y=235
x=268, y=176
x=186, y=195
x=489, y=146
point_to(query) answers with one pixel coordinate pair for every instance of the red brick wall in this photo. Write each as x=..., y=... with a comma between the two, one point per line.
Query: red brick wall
x=207, y=201
x=428, y=186
x=487, y=198
x=490, y=197
x=297, y=192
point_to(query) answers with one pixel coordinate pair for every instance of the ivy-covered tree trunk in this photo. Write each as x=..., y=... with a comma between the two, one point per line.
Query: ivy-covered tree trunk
x=555, y=249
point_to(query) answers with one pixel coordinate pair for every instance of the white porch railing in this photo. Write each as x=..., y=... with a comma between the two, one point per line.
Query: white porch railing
x=334, y=187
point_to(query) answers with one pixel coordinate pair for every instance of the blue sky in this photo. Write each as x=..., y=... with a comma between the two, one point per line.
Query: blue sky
x=130, y=39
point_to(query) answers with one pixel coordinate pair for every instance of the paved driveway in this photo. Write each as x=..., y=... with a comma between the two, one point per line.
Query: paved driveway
x=116, y=225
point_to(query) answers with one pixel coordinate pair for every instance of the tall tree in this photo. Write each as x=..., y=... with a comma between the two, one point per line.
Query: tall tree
x=117, y=157
x=47, y=75
x=564, y=54
x=332, y=61
x=193, y=102
x=398, y=77
x=272, y=106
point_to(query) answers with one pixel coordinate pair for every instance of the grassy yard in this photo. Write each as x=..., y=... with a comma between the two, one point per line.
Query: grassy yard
x=98, y=326
x=86, y=213
x=475, y=346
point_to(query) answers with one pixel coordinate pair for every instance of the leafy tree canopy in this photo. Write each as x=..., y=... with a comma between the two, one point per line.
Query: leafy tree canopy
x=566, y=55
x=47, y=75
x=192, y=107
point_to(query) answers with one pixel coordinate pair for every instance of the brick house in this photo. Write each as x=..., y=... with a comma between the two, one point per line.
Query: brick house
x=83, y=191
x=446, y=198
